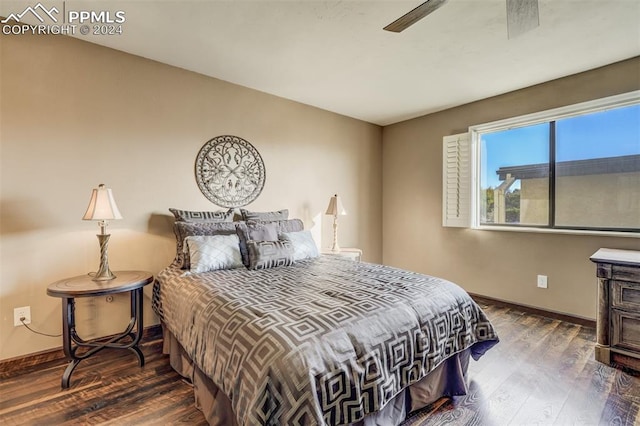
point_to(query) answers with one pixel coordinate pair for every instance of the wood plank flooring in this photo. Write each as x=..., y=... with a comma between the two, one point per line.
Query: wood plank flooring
x=543, y=372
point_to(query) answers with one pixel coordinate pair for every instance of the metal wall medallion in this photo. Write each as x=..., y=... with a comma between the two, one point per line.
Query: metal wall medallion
x=230, y=171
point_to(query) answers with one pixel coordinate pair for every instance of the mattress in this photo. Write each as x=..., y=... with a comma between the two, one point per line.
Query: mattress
x=324, y=341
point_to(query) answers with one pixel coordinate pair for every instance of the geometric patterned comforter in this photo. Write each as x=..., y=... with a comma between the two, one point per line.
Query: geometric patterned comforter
x=324, y=341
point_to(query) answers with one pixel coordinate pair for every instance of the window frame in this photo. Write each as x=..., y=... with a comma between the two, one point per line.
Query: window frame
x=547, y=116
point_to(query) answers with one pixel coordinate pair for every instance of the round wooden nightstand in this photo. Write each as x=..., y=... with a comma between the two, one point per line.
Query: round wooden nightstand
x=83, y=286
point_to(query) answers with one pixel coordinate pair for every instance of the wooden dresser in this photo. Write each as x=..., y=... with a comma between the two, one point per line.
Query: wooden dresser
x=618, y=321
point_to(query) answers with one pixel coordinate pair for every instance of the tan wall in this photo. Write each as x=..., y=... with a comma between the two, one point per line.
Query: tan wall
x=499, y=264
x=74, y=115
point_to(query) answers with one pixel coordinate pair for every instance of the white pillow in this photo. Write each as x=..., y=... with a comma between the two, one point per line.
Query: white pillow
x=211, y=252
x=303, y=245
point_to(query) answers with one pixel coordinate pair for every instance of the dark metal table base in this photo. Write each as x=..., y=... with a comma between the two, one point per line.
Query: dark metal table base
x=71, y=342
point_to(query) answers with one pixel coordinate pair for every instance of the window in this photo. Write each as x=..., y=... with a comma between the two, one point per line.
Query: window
x=572, y=168
x=510, y=158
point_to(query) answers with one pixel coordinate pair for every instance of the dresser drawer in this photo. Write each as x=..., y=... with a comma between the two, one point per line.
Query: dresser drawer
x=625, y=330
x=625, y=295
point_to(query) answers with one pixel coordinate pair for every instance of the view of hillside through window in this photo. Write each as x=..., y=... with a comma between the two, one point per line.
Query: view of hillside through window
x=594, y=183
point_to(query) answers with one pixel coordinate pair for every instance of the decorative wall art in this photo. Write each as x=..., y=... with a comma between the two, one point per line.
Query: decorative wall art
x=230, y=171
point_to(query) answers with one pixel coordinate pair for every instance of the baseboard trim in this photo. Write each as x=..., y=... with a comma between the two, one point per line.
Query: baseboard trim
x=25, y=363
x=586, y=322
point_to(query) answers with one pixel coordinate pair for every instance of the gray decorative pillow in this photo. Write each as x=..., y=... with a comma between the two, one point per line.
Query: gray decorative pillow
x=212, y=252
x=265, y=216
x=187, y=229
x=304, y=247
x=290, y=225
x=269, y=254
x=204, y=216
x=255, y=231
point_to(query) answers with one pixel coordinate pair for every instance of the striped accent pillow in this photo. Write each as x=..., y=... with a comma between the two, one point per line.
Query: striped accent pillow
x=269, y=254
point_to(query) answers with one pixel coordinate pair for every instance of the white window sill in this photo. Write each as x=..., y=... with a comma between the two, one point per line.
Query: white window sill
x=557, y=231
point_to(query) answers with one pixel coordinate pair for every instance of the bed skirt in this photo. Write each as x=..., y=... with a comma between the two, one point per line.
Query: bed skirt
x=448, y=379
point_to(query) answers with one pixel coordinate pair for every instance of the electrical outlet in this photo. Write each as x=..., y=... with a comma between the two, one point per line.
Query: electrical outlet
x=542, y=281
x=24, y=312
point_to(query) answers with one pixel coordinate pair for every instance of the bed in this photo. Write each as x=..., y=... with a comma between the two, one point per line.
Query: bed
x=317, y=340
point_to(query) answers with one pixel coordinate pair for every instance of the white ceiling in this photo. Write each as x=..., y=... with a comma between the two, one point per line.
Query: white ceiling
x=334, y=54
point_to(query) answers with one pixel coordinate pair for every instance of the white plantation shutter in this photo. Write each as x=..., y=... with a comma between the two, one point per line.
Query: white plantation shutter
x=456, y=180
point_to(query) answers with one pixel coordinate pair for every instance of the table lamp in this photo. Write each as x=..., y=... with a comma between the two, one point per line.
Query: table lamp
x=334, y=209
x=102, y=207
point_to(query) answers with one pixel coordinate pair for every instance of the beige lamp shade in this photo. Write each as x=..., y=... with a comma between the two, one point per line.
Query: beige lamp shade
x=102, y=205
x=335, y=207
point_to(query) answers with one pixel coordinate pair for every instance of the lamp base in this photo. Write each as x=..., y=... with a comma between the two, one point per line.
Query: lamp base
x=335, y=247
x=103, y=273
x=103, y=276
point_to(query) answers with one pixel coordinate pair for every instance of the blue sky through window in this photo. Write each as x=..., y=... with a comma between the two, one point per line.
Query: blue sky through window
x=610, y=133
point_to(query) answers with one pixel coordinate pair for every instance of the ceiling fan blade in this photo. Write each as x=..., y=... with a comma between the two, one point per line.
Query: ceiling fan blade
x=522, y=16
x=405, y=21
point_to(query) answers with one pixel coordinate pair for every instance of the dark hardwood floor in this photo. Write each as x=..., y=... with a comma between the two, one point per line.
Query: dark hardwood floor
x=543, y=372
